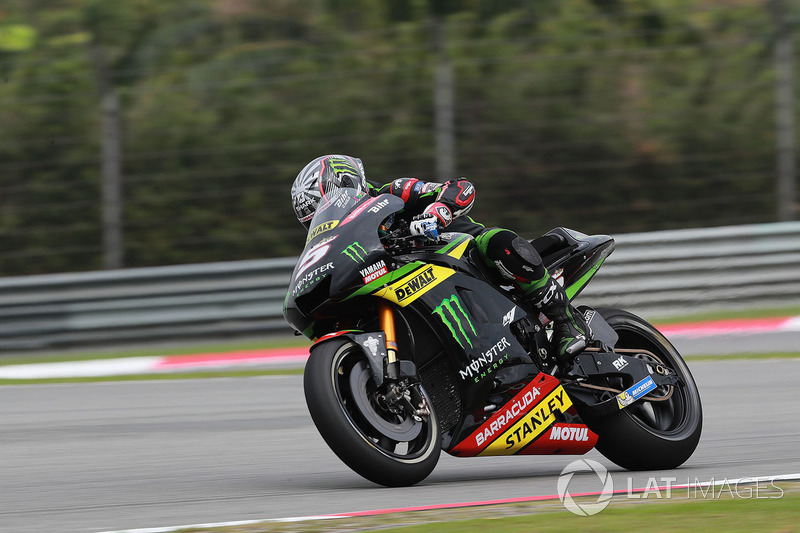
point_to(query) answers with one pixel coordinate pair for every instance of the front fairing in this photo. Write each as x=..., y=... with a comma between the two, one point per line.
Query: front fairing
x=343, y=252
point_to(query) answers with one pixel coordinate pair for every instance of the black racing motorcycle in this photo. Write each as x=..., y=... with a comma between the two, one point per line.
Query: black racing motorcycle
x=420, y=348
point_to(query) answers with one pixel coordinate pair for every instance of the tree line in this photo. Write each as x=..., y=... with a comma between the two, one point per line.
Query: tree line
x=606, y=116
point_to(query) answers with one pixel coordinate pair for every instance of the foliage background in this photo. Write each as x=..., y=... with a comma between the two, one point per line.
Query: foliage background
x=607, y=116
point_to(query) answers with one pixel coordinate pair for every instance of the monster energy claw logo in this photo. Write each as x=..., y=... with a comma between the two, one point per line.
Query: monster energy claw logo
x=356, y=252
x=342, y=166
x=452, y=307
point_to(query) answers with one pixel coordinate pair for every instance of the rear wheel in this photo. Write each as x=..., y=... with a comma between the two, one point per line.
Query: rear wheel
x=381, y=441
x=660, y=431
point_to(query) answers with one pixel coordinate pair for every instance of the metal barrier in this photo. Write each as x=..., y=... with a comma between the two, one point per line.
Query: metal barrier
x=658, y=273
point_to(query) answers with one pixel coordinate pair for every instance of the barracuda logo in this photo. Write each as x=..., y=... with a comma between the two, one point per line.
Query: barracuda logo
x=356, y=252
x=451, y=307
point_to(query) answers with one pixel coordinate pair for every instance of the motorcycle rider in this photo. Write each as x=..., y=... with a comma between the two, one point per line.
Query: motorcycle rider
x=432, y=206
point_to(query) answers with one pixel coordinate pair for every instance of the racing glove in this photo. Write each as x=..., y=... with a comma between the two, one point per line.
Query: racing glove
x=424, y=226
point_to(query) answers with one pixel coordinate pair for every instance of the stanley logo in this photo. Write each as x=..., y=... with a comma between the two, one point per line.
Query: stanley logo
x=416, y=283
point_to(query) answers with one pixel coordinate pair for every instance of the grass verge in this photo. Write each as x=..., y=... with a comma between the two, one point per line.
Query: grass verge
x=721, y=514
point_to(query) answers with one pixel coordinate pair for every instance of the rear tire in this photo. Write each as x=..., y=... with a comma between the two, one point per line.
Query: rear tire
x=344, y=404
x=650, y=435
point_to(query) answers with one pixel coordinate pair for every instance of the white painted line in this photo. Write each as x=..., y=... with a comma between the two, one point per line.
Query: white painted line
x=80, y=369
x=743, y=480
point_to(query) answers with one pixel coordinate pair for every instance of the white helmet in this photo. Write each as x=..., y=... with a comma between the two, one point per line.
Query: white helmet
x=321, y=178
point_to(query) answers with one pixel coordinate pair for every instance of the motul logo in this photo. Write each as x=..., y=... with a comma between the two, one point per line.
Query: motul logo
x=373, y=272
x=574, y=434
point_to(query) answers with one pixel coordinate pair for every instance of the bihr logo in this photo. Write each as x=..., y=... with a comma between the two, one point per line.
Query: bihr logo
x=454, y=317
x=415, y=284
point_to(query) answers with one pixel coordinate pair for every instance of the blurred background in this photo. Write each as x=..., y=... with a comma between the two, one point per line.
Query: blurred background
x=143, y=132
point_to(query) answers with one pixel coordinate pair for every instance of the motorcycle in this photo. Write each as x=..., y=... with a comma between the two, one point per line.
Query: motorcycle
x=421, y=348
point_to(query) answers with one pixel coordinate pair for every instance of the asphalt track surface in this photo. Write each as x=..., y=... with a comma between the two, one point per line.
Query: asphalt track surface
x=108, y=456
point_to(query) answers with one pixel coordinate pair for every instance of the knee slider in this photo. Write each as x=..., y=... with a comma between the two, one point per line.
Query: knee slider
x=526, y=253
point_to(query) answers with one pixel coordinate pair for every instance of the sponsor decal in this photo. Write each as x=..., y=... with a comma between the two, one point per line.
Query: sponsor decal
x=418, y=186
x=466, y=195
x=507, y=415
x=430, y=186
x=342, y=198
x=313, y=255
x=635, y=392
x=341, y=165
x=398, y=183
x=356, y=252
x=589, y=315
x=620, y=363
x=483, y=363
x=532, y=425
x=360, y=209
x=453, y=316
x=508, y=318
x=407, y=189
x=373, y=272
x=507, y=274
x=311, y=278
x=569, y=433
x=371, y=344
x=380, y=205
x=444, y=214
x=415, y=284
x=322, y=228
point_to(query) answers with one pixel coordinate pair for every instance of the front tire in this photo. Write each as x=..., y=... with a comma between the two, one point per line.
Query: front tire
x=387, y=448
x=651, y=435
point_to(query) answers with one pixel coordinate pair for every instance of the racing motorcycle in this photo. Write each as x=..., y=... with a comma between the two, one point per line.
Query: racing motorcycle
x=420, y=348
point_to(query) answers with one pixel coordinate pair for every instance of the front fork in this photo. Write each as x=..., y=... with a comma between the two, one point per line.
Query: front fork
x=386, y=319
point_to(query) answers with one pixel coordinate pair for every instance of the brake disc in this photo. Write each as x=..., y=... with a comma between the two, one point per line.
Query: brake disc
x=404, y=431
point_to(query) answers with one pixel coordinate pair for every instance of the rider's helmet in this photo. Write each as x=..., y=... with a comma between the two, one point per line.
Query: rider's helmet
x=321, y=178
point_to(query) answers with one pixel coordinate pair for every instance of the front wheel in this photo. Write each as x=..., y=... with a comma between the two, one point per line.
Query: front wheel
x=660, y=431
x=382, y=442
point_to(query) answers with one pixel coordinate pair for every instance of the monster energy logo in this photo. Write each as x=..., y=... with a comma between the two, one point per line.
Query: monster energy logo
x=342, y=166
x=448, y=307
x=356, y=252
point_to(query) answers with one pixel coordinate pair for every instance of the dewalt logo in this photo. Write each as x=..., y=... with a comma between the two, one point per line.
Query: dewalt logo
x=415, y=284
x=322, y=228
x=455, y=318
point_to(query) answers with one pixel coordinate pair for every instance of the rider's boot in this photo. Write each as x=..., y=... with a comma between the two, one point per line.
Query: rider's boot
x=517, y=260
x=571, y=333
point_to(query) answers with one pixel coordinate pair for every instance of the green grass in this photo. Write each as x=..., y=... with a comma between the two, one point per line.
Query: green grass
x=721, y=514
x=699, y=515
x=149, y=377
x=725, y=315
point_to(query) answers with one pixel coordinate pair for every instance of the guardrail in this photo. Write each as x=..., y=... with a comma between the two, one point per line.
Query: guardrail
x=658, y=273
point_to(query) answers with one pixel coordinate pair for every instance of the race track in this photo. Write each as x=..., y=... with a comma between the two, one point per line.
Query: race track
x=106, y=456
